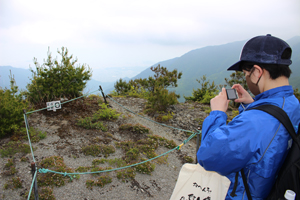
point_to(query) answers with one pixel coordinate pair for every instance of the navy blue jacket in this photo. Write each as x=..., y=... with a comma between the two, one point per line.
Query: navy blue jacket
x=253, y=140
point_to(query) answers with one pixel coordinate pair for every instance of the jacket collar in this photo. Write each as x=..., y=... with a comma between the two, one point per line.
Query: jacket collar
x=278, y=91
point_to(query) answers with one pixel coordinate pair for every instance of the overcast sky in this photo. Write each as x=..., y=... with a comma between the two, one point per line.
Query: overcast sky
x=135, y=33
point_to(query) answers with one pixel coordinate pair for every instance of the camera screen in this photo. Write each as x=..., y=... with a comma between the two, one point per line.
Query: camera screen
x=231, y=94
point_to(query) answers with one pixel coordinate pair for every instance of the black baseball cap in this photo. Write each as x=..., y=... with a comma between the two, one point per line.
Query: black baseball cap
x=265, y=50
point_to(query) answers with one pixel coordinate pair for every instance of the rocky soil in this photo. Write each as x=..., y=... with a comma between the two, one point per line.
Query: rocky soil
x=66, y=139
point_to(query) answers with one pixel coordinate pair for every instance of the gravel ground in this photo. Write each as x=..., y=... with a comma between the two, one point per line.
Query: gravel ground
x=66, y=140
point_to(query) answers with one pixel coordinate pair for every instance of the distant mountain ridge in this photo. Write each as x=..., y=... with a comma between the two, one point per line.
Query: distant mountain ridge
x=211, y=61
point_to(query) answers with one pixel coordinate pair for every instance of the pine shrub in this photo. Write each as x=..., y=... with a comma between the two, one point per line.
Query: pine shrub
x=12, y=104
x=205, y=92
x=160, y=99
x=53, y=79
x=154, y=89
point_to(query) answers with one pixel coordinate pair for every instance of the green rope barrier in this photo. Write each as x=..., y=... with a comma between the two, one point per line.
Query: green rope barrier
x=29, y=141
x=42, y=170
x=61, y=103
x=32, y=185
x=149, y=119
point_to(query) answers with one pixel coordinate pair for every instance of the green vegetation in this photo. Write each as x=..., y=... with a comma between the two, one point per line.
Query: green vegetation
x=55, y=163
x=297, y=93
x=162, y=160
x=98, y=169
x=95, y=150
x=55, y=79
x=88, y=123
x=145, y=168
x=82, y=169
x=100, y=182
x=160, y=99
x=105, y=113
x=126, y=174
x=170, y=144
x=187, y=159
x=97, y=161
x=164, y=117
x=11, y=109
x=205, y=92
x=136, y=128
x=13, y=147
x=154, y=89
x=45, y=193
x=14, y=183
x=134, y=151
x=233, y=115
x=95, y=97
x=35, y=135
x=10, y=170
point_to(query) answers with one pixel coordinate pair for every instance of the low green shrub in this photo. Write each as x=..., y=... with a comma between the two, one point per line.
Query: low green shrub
x=105, y=113
x=97, y=161
x=10, y=168
x=206, y=91
x=164, y=117
x=100, y=182
x=55, y=163
x=98, y=169
x=34, y=134
x=145, y=168
x=17, y=183
x=95, y=150
x=136, y=128
x=87, y=123
x=160, y=100
x=82, y=169
x=126, y=174
x=46, y=193
x=170, y=144
x=132, y=154
x=13, y=147
x=14, y=183
x=187, y=159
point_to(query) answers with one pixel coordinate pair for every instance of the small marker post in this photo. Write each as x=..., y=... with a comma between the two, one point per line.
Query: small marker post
x=198, y=144
x=33, y=169
x=100, y=88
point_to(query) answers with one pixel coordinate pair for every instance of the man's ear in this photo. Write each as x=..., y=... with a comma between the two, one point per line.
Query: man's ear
x=258, y=70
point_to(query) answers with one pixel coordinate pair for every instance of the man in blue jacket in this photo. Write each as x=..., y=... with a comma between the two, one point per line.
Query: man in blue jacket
x=254, y=140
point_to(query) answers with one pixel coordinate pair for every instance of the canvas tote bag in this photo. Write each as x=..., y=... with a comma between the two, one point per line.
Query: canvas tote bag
x=194, y=182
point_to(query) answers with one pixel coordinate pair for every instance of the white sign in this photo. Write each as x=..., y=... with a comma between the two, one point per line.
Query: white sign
x=53, y=105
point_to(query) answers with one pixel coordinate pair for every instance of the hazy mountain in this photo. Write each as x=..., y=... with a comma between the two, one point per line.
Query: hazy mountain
x=22, y=76
x=147, y=72
x=213, y=61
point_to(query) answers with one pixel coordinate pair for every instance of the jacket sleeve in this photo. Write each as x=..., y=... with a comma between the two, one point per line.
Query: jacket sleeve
x=225, y=148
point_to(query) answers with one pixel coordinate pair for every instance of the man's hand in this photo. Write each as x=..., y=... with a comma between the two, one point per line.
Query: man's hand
x=244, y=96
x=220, y=102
